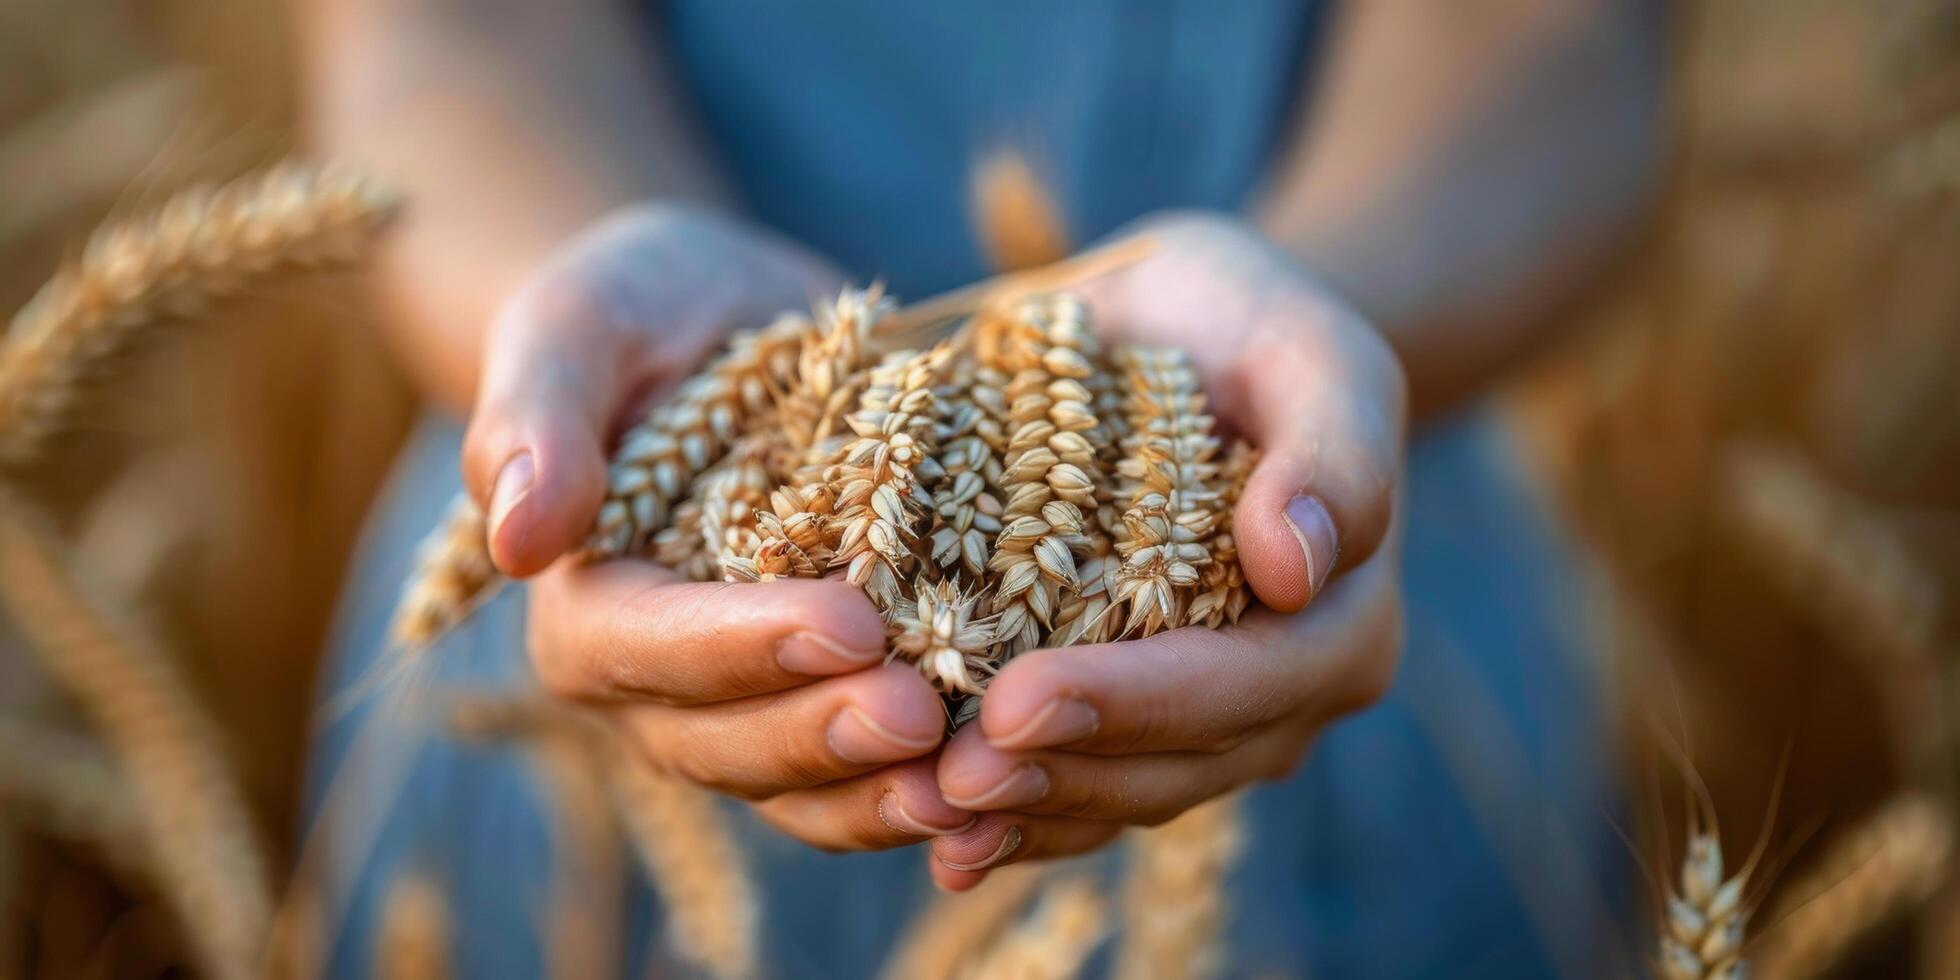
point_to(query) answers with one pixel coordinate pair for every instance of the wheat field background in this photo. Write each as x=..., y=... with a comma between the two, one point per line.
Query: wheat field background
x=1755, y=428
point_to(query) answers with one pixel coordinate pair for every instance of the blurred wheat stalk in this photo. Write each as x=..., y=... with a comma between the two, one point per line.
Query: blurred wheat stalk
x=1757, y=437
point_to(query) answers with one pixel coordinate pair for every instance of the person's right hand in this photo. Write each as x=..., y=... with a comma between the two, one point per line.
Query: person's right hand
x=774, y=693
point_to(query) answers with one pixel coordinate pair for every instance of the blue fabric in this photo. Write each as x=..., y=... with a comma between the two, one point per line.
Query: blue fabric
x=851, y=124
x=1458, y=829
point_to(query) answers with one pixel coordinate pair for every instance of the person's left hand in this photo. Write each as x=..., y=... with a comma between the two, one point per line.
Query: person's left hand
x=1073, y=744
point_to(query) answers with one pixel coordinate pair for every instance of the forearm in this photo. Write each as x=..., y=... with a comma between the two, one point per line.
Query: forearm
x=508, y=126
x=1468, y=167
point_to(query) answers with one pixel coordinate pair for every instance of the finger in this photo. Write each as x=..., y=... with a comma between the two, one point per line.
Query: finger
x=1203, y=690
x=635, y=301
x=534, y=456
x=1134, y=789
x=630, y=630
x=1328, y=418
x=764, y=746
x=996, y=840
x=889, y=807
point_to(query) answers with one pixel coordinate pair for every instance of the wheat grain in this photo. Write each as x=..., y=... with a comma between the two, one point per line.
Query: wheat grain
x=1881, y=870
x=204, y=244
x=452, y=573
x=718, y=520
x=415, y=931
x=209, y=858
x=1174, y=895
x=1068, y=923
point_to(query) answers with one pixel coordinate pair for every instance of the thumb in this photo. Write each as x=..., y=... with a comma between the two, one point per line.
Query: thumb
x=533, y=457
x=1320, y=500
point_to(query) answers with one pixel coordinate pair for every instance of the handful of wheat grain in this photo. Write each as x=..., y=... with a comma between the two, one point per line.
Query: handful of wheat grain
x=1008, y=486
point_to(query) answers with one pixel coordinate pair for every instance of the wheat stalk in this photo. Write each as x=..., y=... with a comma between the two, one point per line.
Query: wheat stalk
x=952, y=932
x=1174, y=896
x=67, y=787
x=695, y=862
x=1068, y=923
x=567, y=751
x=413, y=943
x=1878, y=872
x=203, y=245
x=209, y=859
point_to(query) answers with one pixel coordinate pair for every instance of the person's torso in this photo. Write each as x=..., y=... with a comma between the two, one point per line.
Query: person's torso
x=852, y=125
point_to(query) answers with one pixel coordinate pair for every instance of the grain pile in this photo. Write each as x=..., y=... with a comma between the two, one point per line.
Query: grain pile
x=1011, y=484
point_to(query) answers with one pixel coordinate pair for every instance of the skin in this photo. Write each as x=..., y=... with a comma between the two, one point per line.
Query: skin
x=1393, y=260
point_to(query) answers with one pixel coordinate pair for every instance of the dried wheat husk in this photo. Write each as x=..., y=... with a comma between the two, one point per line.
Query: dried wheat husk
x=1174, y=902
x=1069, y=921
x=209, y=858
x=1880, y=871
x=414, y=940
x=205, y=244
x=936, y=628
x=1170, y=483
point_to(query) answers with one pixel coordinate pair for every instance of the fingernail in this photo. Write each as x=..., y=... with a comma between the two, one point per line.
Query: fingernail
x=855, y=737
x=1307, y=517
x=815, y=654
x=513, y=483
x=1059, y=722
x=1026, y=784
x=892, y=811
x=1008, y=843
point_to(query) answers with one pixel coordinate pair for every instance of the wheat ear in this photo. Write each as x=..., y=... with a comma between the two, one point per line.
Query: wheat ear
x=1174, y=895
x=452, y=574
x=1069, y=922
x=413, y=943
x=1705, y=917
x=1879, y=872
x=1168, y=479
x=1049, y=467
x=1222, y=595
x=1016, y=220
x=209, y=859
x=697, y=865
x=204, y=244
x=881, y=479
x=952, y=932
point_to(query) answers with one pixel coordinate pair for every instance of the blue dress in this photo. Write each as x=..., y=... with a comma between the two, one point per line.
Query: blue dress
x=1460, y=828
